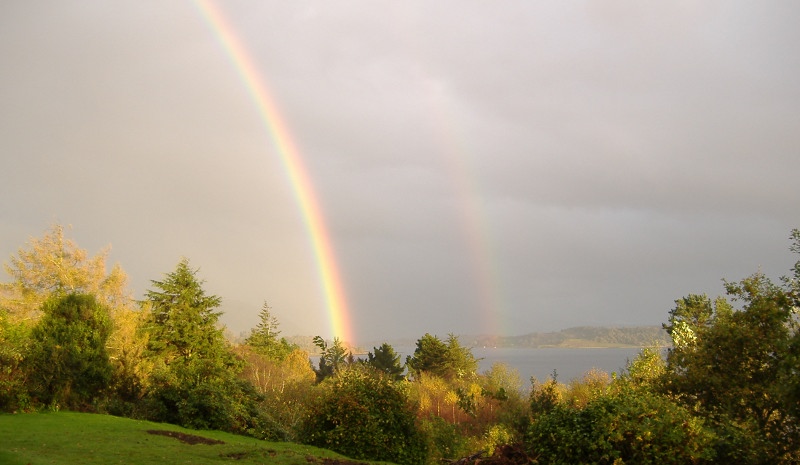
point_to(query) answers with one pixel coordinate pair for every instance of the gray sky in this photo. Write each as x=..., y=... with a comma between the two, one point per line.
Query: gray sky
x=482, y=167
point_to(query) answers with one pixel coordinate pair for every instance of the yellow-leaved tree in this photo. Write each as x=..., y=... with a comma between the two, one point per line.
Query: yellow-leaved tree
x=54, y=265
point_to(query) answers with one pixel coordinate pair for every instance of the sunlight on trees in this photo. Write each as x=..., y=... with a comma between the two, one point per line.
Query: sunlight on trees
x=54, y=264
x=727, y=391
x=264, y=337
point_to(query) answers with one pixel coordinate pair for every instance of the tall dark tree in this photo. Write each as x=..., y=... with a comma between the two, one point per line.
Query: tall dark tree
x=460, y=359
x=447, y=360
x=68, y=364
x=385, y=359
x=429, y=356
x=183, y=318
x=194, y=382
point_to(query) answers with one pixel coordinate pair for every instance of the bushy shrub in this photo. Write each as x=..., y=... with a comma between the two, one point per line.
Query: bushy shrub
x=626, y=427
x=13, y=391
x=283, y=385
x=445, y=441
x=362, y=414
x=219, y=402
x=67, y=363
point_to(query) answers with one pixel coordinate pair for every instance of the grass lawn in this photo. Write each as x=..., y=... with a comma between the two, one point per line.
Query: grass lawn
x=68, y=438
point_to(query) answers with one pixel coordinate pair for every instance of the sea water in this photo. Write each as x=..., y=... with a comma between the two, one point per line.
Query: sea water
x=567, y=364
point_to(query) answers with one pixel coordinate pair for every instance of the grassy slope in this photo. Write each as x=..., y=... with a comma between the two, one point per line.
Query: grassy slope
x=68, y=438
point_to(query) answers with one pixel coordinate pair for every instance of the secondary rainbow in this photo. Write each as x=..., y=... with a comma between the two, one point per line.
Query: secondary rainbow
x=476, y=231
x=292, y=163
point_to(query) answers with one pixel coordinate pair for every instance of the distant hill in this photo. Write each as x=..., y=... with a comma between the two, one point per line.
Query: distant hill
x=577, y=337
x=581, y=336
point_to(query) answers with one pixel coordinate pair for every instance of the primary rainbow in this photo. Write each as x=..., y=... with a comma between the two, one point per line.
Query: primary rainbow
x=292, y=163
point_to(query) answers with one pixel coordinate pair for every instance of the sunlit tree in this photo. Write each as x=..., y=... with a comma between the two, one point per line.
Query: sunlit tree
x=264, y=337
x=54, y=264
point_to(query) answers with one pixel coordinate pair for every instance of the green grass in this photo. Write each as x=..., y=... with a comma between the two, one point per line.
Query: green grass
x=68, y=438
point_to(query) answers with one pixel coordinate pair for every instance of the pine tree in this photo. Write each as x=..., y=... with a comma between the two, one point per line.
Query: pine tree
x=264, y=337
x=183, y=322
x=385, y=359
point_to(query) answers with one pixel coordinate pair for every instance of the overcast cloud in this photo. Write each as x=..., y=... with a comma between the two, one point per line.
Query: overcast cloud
x=482, y=167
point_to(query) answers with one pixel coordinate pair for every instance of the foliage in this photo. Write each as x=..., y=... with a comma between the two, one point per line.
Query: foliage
x=331, y=359
x=591, y=385
x=646, y=371
x=504, y=405
x=447, y=360
x=195, y=376
x=127, y=346
x=445, y=441
x=631, y=427
x=14, y=339
x=545, y=396
x=183, y=322
x=67, y=363
x=53, y=266
x=385, y=359
x=283, y=385
x=738, y=367
x=56, y=265
x=264, y=337
x=364, y=415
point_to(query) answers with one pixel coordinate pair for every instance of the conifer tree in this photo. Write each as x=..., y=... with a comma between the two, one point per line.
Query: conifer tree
x=264, y=337
x=385, y=359
x=68, y=364
x=183, y=320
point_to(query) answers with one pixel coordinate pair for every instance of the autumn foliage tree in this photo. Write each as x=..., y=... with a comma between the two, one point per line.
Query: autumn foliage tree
x=50, y=267
x=54, y=264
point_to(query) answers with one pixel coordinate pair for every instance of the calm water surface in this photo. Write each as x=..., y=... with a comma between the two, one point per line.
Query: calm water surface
x=568, y=363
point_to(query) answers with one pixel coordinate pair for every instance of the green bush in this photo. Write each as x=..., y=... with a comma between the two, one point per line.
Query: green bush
x=218, y=401
x=445, y=441
x=13, y=339
x=627, y=427
x=360, y=413
x=67, y=363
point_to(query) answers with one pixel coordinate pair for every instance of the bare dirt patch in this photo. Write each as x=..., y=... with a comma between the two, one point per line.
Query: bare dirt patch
x=186, y=438
x=509, y=454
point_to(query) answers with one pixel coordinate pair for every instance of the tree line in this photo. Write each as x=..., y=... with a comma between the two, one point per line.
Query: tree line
x=72, y=337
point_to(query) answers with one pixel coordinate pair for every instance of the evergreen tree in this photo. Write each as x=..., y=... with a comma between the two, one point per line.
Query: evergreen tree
x=429, y=356
x=331, y=359
x=264, y=337
x=183, y=320
x=385, y=359
x=68, y=364
x=194, y=382
x=447, y=360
